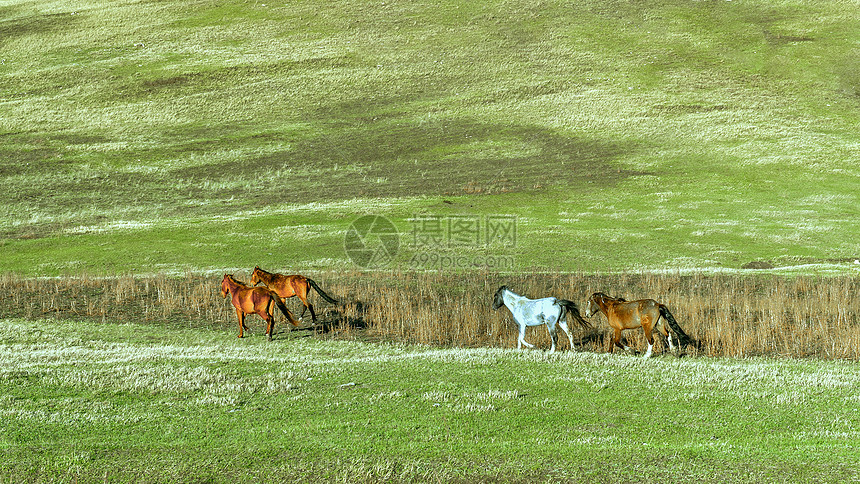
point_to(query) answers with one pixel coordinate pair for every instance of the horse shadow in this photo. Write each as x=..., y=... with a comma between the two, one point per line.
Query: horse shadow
x=602, y=339
x=593, y=336
x=348, y=316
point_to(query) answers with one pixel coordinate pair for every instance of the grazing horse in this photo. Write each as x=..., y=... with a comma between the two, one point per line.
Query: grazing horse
x=254, y=300
x=289, y=286
x=622, y=314
x=533, y=312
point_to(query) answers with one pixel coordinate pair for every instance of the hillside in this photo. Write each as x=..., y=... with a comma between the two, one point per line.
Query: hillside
x=145, y=136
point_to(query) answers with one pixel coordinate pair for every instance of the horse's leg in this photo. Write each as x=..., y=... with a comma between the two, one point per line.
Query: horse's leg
x=649, y=335
x=522, y=338
x=564, y=327
x=650, y=339
x=308, y=306
x=303, y=295
x=616, y=341
x=668, y=335
x=553, y=334
x=270, y=321
x=284, y=300
x=241, y=315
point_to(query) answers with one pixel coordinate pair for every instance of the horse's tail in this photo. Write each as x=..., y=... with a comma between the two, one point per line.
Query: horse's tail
x=570, y=307
x=683, y=338
x=284, y=309
x=319, y=290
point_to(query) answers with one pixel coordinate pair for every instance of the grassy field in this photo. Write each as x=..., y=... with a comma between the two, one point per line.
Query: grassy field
x=142, y=379
x=632, y=147
x=163, y=136
x=144, y=403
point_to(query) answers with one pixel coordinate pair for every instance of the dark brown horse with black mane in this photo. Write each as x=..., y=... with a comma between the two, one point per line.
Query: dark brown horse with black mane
x=254, y=300
x=644, y=313
x=289, y=286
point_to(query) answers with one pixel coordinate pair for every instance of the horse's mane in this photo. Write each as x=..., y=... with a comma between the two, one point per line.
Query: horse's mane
x=236, y=281
x=606, y=296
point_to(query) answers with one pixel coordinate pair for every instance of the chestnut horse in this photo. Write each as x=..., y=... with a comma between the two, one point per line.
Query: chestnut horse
x=254, y=300
x=289, y=286
x=645, y=313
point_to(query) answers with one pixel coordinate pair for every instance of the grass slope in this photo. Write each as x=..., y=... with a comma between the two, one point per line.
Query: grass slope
x=624, y=135
x=134, y=402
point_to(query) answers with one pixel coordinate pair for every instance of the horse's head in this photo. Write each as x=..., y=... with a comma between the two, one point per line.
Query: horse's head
x=593, y=305
x=225, y=285
x=255, y=276
x=498, y=299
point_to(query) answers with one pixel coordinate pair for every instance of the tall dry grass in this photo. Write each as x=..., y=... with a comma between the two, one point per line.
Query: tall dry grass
x=730, y=315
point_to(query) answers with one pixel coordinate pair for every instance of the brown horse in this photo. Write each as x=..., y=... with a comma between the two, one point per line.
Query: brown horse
x=645, y=313
x=289, y=286
x=254, y=300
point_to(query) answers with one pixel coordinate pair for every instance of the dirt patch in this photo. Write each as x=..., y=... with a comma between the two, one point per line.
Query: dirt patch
x=784, y=38
x=441, y=158
x=758, y=264
x=17, y=23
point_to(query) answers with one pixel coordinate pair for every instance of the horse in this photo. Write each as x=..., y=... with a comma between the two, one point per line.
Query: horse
x=534, y=312
x=289, y=286
x=646, y=313
x=254, y=300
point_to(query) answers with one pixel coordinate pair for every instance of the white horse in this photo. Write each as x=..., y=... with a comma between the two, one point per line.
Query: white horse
x=533, y=312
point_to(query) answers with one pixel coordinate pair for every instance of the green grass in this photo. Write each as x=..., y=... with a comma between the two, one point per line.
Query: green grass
x=136, y=402
x=660, y=134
